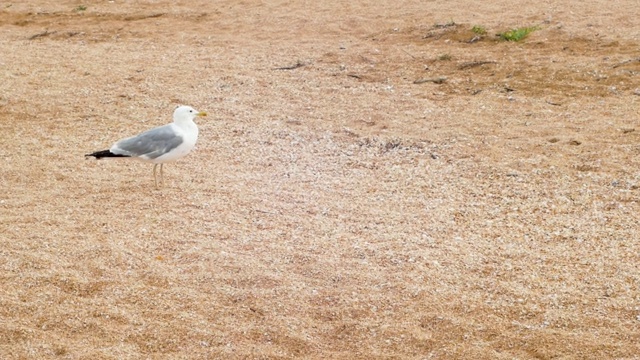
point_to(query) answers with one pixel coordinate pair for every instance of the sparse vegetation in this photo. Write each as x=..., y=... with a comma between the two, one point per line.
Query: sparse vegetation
x=444, y=57
x=80, y=8
x=479, y=30
x=517, y=34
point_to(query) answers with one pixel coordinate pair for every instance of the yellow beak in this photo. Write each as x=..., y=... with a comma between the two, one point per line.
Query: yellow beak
x=202, y=113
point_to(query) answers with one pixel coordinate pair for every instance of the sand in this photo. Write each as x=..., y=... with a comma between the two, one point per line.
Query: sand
x=374, y=180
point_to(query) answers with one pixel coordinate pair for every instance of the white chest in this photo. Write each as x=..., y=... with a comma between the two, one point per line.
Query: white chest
x=189, y=133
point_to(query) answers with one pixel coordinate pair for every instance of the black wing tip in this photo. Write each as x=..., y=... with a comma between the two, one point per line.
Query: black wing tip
x=104, y=154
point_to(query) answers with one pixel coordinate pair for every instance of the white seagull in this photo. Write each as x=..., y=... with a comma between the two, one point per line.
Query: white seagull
x=159, y=145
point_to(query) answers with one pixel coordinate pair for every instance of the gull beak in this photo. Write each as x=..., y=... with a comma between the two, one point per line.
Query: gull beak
x=201, y=113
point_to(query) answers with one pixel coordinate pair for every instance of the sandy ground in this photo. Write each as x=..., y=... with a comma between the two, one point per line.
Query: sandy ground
x=374, y=181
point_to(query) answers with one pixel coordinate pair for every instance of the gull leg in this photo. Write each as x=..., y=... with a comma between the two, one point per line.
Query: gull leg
x=161, y=175
x=155, y=178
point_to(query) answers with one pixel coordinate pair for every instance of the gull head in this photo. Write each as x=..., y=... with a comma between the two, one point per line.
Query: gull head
x=186, y=113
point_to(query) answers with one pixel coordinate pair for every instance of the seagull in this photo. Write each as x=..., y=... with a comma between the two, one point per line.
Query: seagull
x=159, y=145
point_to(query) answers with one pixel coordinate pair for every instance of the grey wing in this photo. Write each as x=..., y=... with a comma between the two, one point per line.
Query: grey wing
x=149, y=144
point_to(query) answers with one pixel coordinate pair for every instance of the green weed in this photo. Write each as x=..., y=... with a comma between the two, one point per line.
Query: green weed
x=517, y=34
x=479, y=30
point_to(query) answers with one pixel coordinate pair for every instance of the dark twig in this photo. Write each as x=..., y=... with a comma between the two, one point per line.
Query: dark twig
x=42, y=34
x=142, y=17
x=292, y=67
x=408, y=53
x=438, y=80
x=625, y=62
x=471, y=64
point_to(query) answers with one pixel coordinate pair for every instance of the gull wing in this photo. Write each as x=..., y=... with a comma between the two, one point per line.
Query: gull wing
x=150, y=144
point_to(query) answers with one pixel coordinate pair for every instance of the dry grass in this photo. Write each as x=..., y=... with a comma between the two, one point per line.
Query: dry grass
x=335, y=209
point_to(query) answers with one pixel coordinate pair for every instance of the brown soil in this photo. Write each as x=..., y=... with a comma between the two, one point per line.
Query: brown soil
x=375, y=180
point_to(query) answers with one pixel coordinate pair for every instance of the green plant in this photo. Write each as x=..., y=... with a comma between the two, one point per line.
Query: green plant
x=444, y=57
x=479, y=30
x=517, y=34
x=80, y=8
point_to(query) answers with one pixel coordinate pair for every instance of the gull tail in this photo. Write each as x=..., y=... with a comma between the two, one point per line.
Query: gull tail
x=105, y=154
